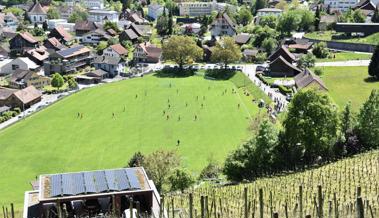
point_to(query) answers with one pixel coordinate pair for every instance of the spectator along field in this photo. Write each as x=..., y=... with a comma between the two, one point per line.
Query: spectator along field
x=102, y=127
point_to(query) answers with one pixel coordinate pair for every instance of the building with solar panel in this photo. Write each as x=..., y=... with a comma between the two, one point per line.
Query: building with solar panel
x=101, y=193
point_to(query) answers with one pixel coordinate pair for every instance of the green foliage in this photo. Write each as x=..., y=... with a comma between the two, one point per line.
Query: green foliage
x=79, y=14
x=244, y=16
x=353, y=16
x=347, y=120
x=226, y=51
x=38, y=31
x=307, y=20
x=269, y=44
x=295, y=20
x=261, y=33
x=320, y=50
x=368, y=121
x=136, y=160
x=162, y=25
x=180, y=179
x=255, y=157
x=318, y=71
x=181, y=49
x=373, y=67
x=159, y=165
x=53, y=13
x=57, y=80
x=284, y=90
x=14, y=10
x=317, y=18
x=72, y=84
x=111, y=25
x=112, y=41
x=310, y=128
x=211, y=171
x=101, y=46
x=269, y=20
x=259, y=4
x=375, y=17
x=306, y=61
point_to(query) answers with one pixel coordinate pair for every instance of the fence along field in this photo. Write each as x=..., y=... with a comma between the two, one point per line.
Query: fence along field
x=344, y=189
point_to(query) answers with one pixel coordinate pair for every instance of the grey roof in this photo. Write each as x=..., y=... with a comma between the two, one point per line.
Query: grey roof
x=4, y=109
x=73, y=51
x=21, y=75
x=37, y=9
x=250, y=52
x=5, y=93
x=242, y=38
x=97, y=73
x=107, y=60
x=131, y=34
x=305, y=78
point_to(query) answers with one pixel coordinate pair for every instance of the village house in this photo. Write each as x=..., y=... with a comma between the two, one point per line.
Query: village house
x=102, y=15
x=22, y=42
x=113, y=65
x=267, y=12
x=94, y=37
x=4, y=52
x=223, y=25
x=340, y=5
x=61, y=34
x=37, y=55
x=68, y=60
x=133, y=16
x=20, y=63
x=8, y=20
x=93, y=192
x=189, y=28
x=147, y=52
x=307, y=79
x=131, y=33
x=116, y=50
x=284, y=52
x=37, y=14
x=242, y=38
x=4, y=95
x=93, y=77
x=280, y=67
x=23, y=78
x=83, y=27
x=53, y=44
x=24, y=98
x=249, y=55
x=155, y=10
x=7, y=33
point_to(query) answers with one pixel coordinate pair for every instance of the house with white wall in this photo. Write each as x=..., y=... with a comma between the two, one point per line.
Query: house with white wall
x=37, y=14
x=155, y=10
x=103, y=15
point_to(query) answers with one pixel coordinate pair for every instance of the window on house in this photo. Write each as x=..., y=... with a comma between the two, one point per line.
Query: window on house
x=15, y=67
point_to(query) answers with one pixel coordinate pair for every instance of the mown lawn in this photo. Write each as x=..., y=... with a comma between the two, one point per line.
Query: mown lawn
x=57, y=140
x=345, y=56
x=348, y=84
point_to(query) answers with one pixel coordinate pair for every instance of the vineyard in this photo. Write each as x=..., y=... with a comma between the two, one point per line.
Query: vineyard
x=347, y=188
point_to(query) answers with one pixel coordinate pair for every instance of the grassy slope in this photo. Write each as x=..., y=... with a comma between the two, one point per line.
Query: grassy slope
x=55, y=140
x=348, y=83
x=327, y=35
x=345, y=56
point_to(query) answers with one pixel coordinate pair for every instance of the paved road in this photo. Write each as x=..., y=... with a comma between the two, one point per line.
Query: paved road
x=351, y=63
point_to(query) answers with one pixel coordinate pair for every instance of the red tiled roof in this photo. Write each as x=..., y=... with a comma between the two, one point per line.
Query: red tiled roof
x=28, y=37
x=28, y=94
x=66, y=36
x=119, y=49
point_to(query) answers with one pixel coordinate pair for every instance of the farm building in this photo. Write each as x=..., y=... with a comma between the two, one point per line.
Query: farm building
x=92, y=194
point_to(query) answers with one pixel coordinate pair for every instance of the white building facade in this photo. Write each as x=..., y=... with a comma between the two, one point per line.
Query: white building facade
x=155, y=10
x=90, y=4
x=340, y=5
x=103, y=15
x=203, y=8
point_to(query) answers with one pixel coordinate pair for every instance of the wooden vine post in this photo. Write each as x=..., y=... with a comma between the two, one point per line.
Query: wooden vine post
x=301, y=201
x=320, y=202
x=246, y=203
x=261, y=206
x=190, y=205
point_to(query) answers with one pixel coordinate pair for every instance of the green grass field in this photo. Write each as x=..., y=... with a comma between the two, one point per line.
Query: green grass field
x=348, y=84
x=327, y=35
x=56, y=140
x=345, y=56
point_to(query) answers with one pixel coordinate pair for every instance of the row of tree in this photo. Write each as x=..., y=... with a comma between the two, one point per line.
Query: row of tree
x=313, y=131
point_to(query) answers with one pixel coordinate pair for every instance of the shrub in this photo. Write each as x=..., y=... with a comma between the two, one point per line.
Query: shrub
x=320, y=50
x=285, y=90
x=180, y=179
x=211, y=171
x=318, y=71
x=17, y=110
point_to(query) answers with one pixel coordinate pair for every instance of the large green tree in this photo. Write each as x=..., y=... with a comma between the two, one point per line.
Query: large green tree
x=306, y=61
x=310, y=128
x=180, y=179
x=226, y=51
x=373, y=67
x=244, y=16
x=53, y=13
x=288, y=22
x=181, y=49
x=368, y=121
x=57, y=81
x=317, y=18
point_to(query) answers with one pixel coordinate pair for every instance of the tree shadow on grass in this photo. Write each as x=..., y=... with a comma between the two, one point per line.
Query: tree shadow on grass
x=174, y=72
x=371, y=80
x=219, y=74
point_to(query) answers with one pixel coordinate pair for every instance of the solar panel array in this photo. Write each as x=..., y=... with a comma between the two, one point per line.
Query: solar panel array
x=69, y=51
x=93, y=182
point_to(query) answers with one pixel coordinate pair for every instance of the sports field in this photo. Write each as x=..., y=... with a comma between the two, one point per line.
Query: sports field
x=102, y=127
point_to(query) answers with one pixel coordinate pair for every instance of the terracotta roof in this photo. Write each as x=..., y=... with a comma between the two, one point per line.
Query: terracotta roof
x=56, y=43
x=28, y=37
x=242, y=38
x=27, y=94
x=65, y=35
x=151, y=50
x=39, y=53
x=119, y=49
x=305, y=78
x=37, y=9
x=300, y=46
x=111, y=32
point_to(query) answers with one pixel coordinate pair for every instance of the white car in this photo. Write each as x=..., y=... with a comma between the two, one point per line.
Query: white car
x=126, y=213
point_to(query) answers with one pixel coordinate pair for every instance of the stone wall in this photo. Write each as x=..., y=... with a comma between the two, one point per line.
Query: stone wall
x=346, y=46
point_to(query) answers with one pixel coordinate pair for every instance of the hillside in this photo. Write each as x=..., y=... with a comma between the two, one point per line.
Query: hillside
x=341, y=178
